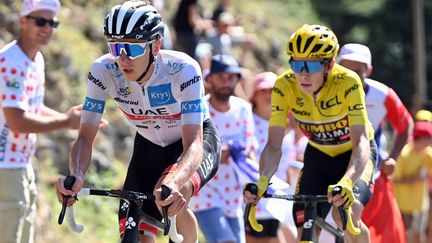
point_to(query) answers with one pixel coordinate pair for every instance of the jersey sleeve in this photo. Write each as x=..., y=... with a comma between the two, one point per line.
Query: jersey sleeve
x=355, y=99
x=280, y=107
x=96, y=96
x=397, y=114
x=191, y=89
x=12, y=87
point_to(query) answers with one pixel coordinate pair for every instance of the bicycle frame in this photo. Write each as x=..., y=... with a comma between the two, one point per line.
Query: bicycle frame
x=135, y=199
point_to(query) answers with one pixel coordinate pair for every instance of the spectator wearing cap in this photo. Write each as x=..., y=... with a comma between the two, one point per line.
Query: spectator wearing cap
x=423, y=115
x=382, y=105
x=218, y=206
x=411, y=183
x=22, y=115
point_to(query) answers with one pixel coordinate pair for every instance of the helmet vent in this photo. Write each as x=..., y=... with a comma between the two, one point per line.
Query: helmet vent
x=308, y=43
x=290, y=47
x=316, y=48
x=328, y=49
x=299, y=41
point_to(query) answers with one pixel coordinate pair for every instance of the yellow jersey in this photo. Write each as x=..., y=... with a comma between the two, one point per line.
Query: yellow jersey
x=324, y=118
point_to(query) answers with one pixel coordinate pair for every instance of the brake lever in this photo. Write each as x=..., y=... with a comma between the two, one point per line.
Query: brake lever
x=343, y=215
x=250, y=209
x=166, y=191
x=68, y=184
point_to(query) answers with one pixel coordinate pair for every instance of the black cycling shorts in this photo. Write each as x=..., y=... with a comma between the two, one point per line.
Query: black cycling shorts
x=321, y=170
x=270, y=228
x=149, y=161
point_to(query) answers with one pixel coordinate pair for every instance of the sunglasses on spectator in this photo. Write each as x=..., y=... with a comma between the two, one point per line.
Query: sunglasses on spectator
x=41, y=22
x=310, y=66
x=132, y=50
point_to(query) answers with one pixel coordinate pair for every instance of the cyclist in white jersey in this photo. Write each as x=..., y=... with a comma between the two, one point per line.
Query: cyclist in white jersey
x=161, y=93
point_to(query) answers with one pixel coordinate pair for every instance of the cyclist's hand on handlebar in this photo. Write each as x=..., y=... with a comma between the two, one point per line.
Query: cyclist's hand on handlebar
x=346, y=195
x=176, y=201
x=61, y=190
x=262, y=186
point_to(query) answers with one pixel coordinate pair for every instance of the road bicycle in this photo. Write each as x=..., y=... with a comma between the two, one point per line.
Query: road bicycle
x=134, y=213
x=311, y=218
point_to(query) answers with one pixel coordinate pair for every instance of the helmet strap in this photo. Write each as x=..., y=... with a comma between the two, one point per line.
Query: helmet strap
x=326, y=65
x=151, y=61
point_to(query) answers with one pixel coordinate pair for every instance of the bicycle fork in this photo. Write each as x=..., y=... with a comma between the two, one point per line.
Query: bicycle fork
x=132, y=223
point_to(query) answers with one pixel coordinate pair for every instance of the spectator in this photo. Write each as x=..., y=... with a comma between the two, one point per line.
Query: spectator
x=423, y=115
x=23, y=114
x=188, y=25
x=220, y=8
x=167, y=41
x=410, y=182
x=227, y=35
x=218, y=206
x=382, y=103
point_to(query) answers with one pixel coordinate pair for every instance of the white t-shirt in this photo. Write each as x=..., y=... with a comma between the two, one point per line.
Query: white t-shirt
x=22, y=86
x=224, y=190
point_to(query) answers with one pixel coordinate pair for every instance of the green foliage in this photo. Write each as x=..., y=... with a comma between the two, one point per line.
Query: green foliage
x=386, y=26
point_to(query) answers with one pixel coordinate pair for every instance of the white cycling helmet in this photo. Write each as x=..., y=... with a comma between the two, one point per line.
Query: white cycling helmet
x=133, y=20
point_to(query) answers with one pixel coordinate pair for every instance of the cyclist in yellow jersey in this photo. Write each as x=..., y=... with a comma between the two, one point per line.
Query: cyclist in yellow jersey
x=328, y=104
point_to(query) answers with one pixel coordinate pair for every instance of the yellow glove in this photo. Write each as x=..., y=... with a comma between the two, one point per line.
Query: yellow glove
x=250, y=211
x=262, y=184
x=347, y=194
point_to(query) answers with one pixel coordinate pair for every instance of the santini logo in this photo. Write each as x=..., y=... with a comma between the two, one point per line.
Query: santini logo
x=190, y=82
x=96, y=81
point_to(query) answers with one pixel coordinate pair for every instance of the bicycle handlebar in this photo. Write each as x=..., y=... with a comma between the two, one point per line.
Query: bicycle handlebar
x=345, y=213
x=346, y=217
x=168, y=226
x=171, y=229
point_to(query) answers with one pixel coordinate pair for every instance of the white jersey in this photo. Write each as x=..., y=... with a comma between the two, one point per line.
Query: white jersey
x=383, y=104
x=22, y=86
x=172, y=97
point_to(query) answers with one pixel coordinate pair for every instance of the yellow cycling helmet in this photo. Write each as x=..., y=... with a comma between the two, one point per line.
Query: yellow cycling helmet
x=313, y=41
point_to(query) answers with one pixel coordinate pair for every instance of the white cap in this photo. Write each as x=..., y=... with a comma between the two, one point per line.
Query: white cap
x=355, y=52
x=35, y=5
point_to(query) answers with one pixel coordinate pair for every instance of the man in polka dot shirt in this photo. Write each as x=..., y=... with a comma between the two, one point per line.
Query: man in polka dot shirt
x=22, y=115
x=218, y=206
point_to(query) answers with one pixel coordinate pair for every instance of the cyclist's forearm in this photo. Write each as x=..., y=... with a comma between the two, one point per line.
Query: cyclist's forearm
x=359, y=158
x=269, y=161
x=80, y=157
x=188, y=165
